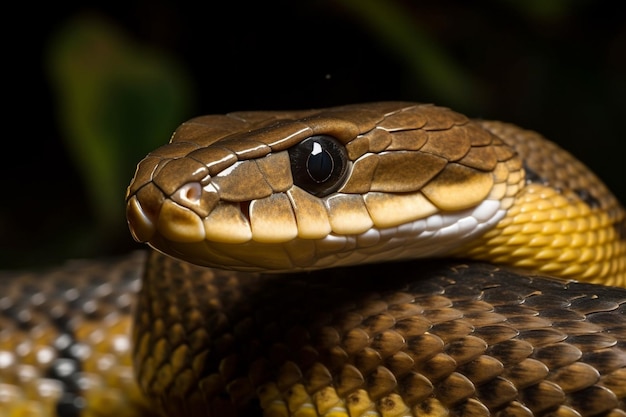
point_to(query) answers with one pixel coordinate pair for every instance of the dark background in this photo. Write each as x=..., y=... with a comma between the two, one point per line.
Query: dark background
x=558, y=67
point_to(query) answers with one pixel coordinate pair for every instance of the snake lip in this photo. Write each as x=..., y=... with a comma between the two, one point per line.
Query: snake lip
x=140, y=223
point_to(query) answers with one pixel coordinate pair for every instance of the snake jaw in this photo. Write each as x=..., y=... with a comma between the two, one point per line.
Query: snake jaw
x=226, y=248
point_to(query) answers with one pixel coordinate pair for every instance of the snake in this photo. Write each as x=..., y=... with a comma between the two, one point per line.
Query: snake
x=378, y=259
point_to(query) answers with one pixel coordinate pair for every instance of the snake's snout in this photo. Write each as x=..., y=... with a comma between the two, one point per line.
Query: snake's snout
x=177, y=217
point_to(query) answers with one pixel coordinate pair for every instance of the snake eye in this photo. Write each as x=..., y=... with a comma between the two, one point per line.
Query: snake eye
x=319, y=164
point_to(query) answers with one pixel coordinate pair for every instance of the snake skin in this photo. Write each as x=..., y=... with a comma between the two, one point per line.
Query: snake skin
x=482, y=340
x=408, y=338
x=467, y=338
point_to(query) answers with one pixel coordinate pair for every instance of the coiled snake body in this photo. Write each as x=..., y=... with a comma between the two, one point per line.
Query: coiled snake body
x=383, y=259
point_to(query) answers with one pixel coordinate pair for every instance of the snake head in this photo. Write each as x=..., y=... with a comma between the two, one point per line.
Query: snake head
x=284, y=191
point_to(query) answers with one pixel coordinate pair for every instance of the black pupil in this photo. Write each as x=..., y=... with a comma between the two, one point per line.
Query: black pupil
x=319, y=164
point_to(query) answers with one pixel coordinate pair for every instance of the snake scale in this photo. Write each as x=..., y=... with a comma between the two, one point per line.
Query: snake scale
x=380, y=259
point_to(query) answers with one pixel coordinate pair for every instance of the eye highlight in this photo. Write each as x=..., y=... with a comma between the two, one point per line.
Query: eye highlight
x=319, y=164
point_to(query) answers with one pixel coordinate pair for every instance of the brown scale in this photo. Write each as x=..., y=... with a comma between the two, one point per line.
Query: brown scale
x=408, y=160
x=478, y=338
x=188, y=158
x=426, y=339
x=480, y=343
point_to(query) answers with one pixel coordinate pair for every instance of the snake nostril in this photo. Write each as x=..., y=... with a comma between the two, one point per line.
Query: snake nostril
x=190, y=192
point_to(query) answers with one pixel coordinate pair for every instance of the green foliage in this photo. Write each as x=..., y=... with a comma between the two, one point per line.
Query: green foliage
x=116, y=101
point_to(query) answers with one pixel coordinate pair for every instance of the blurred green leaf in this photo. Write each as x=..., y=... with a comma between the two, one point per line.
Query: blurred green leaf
x=117, y=100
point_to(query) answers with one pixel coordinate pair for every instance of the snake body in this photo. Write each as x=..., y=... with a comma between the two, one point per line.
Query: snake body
x=382, y=259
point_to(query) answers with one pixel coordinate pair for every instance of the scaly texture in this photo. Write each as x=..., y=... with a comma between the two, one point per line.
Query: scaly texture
x=431, y=338
x=65, y=340
x=416, y=338
x=565, y=222
x=421, y=181
x=226, y=192
x=346, y=189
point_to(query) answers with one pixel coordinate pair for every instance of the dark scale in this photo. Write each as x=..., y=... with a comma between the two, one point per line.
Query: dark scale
x=533, y=177
x=57, y=302
x=66, y=368
x=70, y=405
x=92, y=304
x=588, y=198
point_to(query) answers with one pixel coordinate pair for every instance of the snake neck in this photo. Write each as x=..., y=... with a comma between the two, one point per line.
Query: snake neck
x=563, y=222
x=546, y=232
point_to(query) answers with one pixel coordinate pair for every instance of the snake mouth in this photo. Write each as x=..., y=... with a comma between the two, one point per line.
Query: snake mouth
x=191, y=214
x=244, y=207
x=140, y=223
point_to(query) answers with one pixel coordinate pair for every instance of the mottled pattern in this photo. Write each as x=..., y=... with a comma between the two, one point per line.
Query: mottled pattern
x=65, y=340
